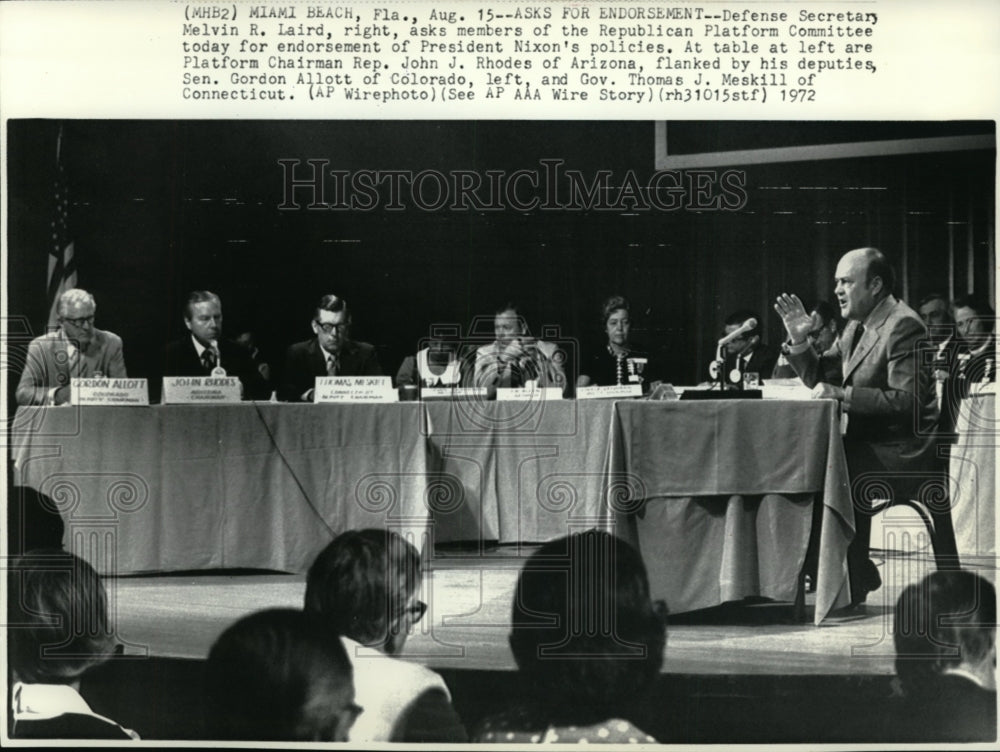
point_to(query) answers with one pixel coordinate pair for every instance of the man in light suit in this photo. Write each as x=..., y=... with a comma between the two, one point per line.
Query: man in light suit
x=516, y=358
x=330, y=353
x=887, y=395
x=76, y=350
x=205, y=352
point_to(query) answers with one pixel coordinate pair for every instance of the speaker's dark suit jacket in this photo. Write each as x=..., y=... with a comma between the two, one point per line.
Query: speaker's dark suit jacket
x=306, y=360
x=181, y=359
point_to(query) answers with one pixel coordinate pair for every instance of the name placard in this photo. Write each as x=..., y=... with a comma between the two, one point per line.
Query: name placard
x=618, y=391
x=528, y=394
x=200, y=390
x=454, y=393
x=109, y=392
x=354, y=389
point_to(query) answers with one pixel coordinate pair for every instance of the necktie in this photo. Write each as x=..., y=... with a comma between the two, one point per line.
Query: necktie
x=73, y=362
x=208, y=358
x=859, y=331
x=331, y=365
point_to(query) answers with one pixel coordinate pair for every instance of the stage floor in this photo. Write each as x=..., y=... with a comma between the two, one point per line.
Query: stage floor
x=469, y=594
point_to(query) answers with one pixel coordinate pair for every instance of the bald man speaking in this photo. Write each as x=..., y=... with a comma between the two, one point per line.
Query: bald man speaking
x=887, y=395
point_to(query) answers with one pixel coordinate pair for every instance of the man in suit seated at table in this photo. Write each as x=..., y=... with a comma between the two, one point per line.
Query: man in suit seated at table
x=748, y=352
x=205, y=353
x=515, y=358
x=975, y=363
x=886, y=393
x=77, y=349
x=936, y=311
x=330, y=353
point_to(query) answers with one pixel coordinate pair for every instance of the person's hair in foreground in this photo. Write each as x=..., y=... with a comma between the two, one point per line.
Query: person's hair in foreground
x=944, y=623
x=58, y=618
x=360, y=586
x=584, y=632
x=278, y=675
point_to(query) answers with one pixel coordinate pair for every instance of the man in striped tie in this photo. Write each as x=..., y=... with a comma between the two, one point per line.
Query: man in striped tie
x=77, y=349
x=331, y=352
x=206, y=353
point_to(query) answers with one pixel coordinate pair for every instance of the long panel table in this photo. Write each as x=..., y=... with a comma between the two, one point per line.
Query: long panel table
x=718, y=496
x=250, y=485
x=528, y=471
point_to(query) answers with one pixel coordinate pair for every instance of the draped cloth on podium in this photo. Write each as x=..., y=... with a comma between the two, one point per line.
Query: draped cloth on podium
x=727, y=489
x=528, y=471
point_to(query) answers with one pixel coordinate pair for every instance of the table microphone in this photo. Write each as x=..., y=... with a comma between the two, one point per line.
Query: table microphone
x=715, y=368
x=746, y=326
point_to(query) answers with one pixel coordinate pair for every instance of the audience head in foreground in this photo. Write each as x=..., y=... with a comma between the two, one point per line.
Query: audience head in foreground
x=587, y=639
x=945, y=625
x=364, y=586
x=945, y=635
x=278, y=675
x=59, y=629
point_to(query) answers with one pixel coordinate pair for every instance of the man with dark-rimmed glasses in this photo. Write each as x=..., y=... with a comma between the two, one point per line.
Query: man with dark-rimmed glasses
x=364, y=587
x=330, y=353
x=77, y=349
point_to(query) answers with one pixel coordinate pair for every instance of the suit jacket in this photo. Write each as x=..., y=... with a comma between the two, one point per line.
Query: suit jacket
x=48, y=364
x=305, y=361
x=762, y=360
x=544, y=367
x=181, y=359
x=890, y=401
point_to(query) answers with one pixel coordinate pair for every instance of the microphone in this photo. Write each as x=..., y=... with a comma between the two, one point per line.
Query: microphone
x=715, y=368
x=750, y=323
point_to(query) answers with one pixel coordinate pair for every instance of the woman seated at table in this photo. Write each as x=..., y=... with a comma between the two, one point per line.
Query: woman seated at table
x=59, y=607
x=588, y=642
x=438, y=365
x=618, y=362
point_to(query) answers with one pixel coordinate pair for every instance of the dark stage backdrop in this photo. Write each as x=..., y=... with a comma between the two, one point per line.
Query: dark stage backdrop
x=160, y=208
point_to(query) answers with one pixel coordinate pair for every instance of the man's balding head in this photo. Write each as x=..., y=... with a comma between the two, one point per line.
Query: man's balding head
x=864, y=277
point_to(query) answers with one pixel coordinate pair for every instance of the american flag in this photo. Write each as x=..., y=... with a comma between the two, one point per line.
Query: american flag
x=62, y=265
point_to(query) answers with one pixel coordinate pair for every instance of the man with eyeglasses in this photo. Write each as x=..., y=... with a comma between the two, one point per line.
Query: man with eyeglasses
x=330, y=353
x=206, y=353
x=975, y=362
x=364, y=587
x=77, y=349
